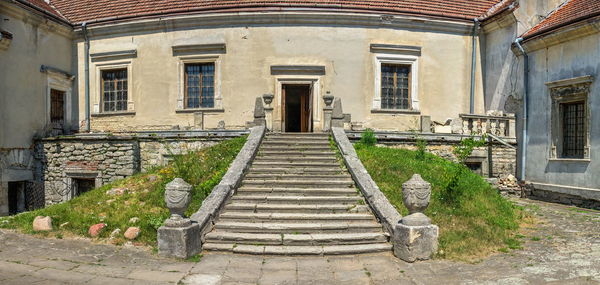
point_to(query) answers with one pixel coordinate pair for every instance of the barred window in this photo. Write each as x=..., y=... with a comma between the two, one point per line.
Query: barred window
x=114, y=90
x=200, y=85
x=395, y=86
x=574, y=132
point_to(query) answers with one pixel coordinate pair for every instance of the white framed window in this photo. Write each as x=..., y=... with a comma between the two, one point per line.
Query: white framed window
x=114, y=88
x=570, y=118
x=396, y=83
x=199, y=84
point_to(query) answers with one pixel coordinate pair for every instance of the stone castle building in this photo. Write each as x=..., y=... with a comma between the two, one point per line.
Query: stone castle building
x=122, y=73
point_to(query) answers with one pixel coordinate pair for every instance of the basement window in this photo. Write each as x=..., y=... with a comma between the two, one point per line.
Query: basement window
x=82, y=185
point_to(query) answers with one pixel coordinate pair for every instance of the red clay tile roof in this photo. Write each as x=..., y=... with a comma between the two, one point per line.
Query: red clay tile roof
x=78, y=11
x=570, y=12
x=45, y=7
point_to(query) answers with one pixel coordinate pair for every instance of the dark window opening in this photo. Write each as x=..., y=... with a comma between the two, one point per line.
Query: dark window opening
x=200, y=85
x=574, y=132
x=82, y=185
x=16, y=198
x=475, y=166
x=114, y=90
x=395, y=86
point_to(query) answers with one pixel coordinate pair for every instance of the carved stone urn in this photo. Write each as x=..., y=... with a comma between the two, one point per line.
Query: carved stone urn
x=268, y=98
x=416, y=193
x=177, y=198
x=328, y=98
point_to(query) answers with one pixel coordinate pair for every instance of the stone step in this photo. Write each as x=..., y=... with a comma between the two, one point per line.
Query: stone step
x=303, y=135
x=305, y=148
x=246, y=190
x=299, y=250
x=302, y=228
x=298, y=183
x=295, y=159
x=297, y=170
x=296, y=153
x=294, y=164
x=299, y=143
x=272, y=199
x=321, y=139
x=295, y=239
x=285, y=176
x=294, y=208
x=293, y=217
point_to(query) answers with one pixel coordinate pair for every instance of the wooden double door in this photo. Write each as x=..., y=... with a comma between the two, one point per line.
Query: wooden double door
x=297, y=111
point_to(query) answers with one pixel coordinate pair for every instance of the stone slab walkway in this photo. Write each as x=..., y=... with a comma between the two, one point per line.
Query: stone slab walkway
x=564, y=249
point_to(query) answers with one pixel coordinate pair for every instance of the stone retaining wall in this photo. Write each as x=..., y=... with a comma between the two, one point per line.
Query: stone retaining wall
x=101, y=159
x=580, y=197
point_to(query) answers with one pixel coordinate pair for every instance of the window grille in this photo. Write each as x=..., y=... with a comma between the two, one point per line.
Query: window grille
x=57, y=106
x=395, y=86
x=573, y=129
x=114, y=90
x=199, y=85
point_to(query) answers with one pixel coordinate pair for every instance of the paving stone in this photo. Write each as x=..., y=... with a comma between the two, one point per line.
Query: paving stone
x=156, y=276
x=202, y=279
x=57, y=264
x=62, y=275
x=278, y=277
x=104, y=270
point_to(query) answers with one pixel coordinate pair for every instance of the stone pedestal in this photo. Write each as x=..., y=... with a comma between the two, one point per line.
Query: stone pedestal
x=269, y=118
x=327, y=118
x=412, y=243
x=180, y=242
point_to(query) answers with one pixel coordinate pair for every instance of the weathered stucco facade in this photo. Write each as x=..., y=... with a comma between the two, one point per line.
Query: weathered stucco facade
x=31, y=66
x=250, y=45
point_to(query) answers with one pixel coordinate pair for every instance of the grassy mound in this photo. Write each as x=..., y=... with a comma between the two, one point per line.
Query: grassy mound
x=474, y=219
x=144, y=198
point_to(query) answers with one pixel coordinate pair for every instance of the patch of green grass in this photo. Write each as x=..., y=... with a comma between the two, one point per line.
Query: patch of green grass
x=536, y=238
x=474, y=219
x=194, y=258
x=144, y=199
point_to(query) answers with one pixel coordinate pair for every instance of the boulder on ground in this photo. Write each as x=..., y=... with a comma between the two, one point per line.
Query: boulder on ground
x=115, y=233
x=42, y=223
x=96, y=229
x=134, y=220
x=116, y=191
x=132, y=233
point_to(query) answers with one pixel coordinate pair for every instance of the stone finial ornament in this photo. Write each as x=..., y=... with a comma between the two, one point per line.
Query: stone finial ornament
x=268, y=98
x=328, y=99
x=416, y=193
x=414, y=237
x=177, y=197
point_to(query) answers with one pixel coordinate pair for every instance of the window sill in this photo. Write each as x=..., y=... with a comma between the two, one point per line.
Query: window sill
x=581, y=160
x=107, y=114
x=205, y=110
x=395, y=111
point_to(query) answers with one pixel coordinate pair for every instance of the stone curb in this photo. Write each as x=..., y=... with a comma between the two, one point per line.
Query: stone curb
x=212, y=205
x=381, y=206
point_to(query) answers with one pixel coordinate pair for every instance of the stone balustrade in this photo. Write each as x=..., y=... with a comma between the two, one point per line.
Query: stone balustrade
x=502, y=126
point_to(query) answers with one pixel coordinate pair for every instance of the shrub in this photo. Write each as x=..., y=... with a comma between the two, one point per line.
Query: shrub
x=421, y=148
x=368, y=138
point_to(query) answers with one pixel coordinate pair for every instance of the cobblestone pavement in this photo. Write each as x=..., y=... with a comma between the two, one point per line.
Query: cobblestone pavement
x=563, y=249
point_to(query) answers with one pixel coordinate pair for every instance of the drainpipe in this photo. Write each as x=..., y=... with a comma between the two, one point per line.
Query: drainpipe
x=87, y=76
x=473, y=65
x=525, y=99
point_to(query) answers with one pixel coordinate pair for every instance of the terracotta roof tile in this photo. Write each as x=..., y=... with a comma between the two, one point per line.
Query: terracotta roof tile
x=78, y=11
x=42, y=5
x=569, y=12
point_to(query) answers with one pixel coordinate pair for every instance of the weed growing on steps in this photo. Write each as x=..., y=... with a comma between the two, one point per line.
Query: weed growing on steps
x=474, y=223
x=368, y=138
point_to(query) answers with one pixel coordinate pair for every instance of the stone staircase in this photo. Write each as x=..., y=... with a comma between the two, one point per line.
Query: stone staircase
x=296, y=199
